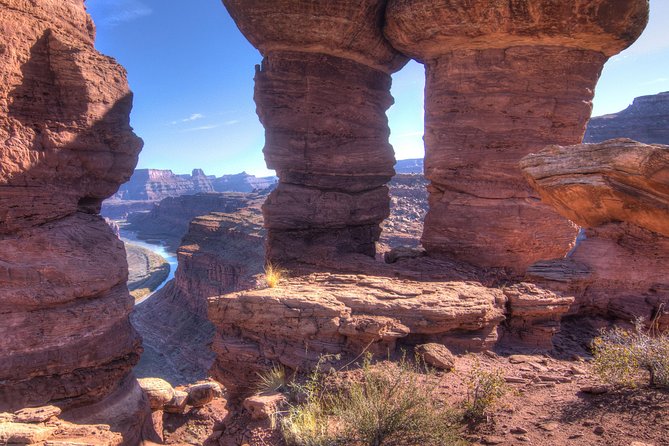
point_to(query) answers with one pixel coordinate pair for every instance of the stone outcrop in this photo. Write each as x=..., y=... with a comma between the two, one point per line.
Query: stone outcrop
x=321, y=93
x=619, y=192
x=409, y=166
x=40, y=426
x=646, y=120
x=65, y=335
x=504, y=79
x=316, y=314
x=168, y=220
x=156, y=184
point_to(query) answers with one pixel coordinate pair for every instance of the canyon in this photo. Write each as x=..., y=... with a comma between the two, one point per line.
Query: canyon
x=506, y=187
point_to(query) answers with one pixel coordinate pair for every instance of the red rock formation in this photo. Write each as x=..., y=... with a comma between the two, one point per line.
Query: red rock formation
x=619, y=191
x=220, y=253
x=167, y=222
x=646, y=120
x=412, y=302
x=322, y=92
x=66, y=144
x=503, y=79
x=156, y=184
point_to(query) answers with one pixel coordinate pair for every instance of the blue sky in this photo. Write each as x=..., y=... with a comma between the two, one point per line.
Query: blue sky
x=192, y=74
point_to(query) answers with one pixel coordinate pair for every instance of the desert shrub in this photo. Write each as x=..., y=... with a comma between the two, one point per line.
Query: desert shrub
x=274, y=275
x=388, y=407
x=380, y=408
x=484, y=389
x=273, y=379
x=621, y=356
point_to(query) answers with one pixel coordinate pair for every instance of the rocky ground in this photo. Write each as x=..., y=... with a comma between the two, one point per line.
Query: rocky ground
x=547, y=401
x=146, y=270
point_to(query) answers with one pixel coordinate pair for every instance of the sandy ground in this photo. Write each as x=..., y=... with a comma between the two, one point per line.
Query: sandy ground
x=147, y=270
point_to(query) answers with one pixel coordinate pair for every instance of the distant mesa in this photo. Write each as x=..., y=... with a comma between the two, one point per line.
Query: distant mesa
x=645, y=120
x=156, y=184
x=410, y=166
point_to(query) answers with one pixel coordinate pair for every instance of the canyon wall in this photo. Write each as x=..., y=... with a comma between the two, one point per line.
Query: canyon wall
x=156, y=184
x=322, y=92
x=619, y=192
x=167, y=222
x=65, y=145
x=504, y=79
x=645, y=120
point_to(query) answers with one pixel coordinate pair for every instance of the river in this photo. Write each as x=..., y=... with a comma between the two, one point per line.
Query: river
x=170, y=257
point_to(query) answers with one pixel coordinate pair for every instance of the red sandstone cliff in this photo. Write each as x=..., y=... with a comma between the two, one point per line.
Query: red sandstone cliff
x=65, y=145
x=645, y=120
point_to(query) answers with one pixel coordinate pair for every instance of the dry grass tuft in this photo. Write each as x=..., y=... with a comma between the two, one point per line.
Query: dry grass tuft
x=274, y=275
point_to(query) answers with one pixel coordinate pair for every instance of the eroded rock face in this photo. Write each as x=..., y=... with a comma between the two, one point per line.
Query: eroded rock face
x=156, y=184
x=221, y=253
x=316, y=314
x=322, y=92
x=619, y=191
x=168, y=220
x=66, y=145
x=645, y=120
x=503, y=79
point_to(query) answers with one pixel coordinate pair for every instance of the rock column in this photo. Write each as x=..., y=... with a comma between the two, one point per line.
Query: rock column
x=65, y=145
x=322, y=92
x=503, y=79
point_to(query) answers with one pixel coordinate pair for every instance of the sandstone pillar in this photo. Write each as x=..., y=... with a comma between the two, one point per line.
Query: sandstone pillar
x=65, y=145
x=504, y=79
x=321, y=93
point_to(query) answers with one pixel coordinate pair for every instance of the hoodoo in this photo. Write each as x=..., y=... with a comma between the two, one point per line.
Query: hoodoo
x=321, y=93
x=65, y=145
x=504, y=79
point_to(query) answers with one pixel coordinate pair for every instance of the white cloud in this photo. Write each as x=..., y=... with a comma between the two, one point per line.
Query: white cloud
x=232, y=122
x=191, y=118
x=115, y=12
x=202, y=127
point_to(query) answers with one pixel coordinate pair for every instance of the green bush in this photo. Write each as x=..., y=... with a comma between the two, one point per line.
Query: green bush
x=621, y=356
x=484, y=389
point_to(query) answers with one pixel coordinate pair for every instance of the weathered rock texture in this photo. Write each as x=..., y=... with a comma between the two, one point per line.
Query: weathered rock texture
x=156, y=184
x=619, y=191
x=168, y=220
x=321, y=93
x=504, y=79
x=221, y=253
x=243, y=182
x=646, y=120
x=40, y=426
x=310, y=315
x=65, y=145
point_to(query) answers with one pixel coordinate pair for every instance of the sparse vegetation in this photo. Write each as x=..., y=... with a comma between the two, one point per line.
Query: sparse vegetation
x=484, y=389
x=380, y=408
x=274, y=275
x=272, y=380
x=623, y=357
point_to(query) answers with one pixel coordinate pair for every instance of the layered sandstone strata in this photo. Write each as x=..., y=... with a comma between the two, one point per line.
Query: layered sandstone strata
x=156, y=184
x=221, y=253
x=504, y=79
x=645, y=120
x=66, y=145
x=619, y=192
x=321, y=93
x=318, y=314
x=167, y=222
